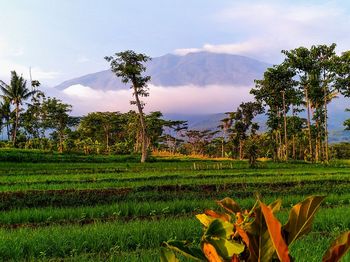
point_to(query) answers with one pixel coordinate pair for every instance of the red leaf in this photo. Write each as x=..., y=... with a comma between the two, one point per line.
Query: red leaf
x=210, y=253
x=222, y=216
x=274, y=227
x=338, y=248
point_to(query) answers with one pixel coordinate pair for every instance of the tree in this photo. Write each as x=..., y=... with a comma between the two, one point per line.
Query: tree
x=343, y=74
x=326, y=60
x=225, y=124
x=277, y=91
x=5, y=115
x=57, y=118
x=173, y=131
x=243, y=123
x=342, y=81
x=16, y=93
x=101, y=126
x=300, y=59
x=129, y=66
x=32, y=119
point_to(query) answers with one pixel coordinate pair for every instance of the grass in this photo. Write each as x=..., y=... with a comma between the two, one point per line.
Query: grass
x=112, y=208
x=61, y=241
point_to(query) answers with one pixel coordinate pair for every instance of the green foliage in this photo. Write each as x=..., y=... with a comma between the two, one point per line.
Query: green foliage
x=16, y=92
x=256, y=235
x=130, y=66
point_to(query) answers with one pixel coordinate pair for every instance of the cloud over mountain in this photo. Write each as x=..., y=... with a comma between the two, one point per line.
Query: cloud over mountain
x=199, y=83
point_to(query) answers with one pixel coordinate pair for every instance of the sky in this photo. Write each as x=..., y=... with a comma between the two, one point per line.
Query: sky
x=64, y=39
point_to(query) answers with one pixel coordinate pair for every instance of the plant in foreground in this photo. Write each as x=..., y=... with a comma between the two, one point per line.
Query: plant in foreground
x=255, y=235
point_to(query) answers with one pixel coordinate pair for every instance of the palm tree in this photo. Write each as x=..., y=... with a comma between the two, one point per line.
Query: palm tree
x=5, y=115
x=16, y=92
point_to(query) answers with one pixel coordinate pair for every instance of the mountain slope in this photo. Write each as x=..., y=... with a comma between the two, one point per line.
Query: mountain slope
x=198, y=69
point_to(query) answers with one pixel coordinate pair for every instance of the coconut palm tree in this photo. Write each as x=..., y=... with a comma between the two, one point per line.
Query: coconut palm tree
x=5, y=115
x=16, y=92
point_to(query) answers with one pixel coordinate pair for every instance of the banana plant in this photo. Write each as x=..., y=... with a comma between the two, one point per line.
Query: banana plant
x=252, y=235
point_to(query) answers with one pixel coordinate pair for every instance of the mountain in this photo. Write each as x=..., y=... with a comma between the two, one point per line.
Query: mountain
x=198, y=69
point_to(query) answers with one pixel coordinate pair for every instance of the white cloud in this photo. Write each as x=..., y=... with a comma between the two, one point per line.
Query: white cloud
x=261, y=30
x=182, y=99
x=243, y=48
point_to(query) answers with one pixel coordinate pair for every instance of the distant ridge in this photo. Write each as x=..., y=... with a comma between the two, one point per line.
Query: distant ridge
x=199, y=69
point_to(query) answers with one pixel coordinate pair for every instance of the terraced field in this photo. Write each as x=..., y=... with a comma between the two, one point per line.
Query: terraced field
x=77, y=208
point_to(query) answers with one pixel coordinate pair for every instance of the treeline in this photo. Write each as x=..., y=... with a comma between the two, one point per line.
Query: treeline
x=294, y=95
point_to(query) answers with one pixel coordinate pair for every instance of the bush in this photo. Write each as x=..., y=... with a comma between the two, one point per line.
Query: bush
x=255, y=235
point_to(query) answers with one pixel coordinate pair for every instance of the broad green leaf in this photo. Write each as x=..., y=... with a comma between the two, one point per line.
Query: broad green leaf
x=230, y=205
x=205, y=219
x=338, y=248
x=300, y=218
x=226, y=248
x=210, y=252
x=219, y=229
x=275, y=229
x=217, y=234
x=167, y=255
x=184, y=248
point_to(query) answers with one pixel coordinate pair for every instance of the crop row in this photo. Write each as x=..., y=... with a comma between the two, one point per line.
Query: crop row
x=83, y=197
x=131, y=210
x=186, y=181
x=36, y=156
x=62, y=241
x=25, y=168
x=124, y=176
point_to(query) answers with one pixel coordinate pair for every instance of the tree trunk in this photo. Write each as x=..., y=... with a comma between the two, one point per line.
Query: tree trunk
x=222, y=148
x=285, y=127
x=8, y=129
x=280, y=142
x=308, y=122
x=240, y=149
x=294, y=147
x=60, y=148
x=278, y=146
x=317, y=145
x=14, y=136
x=107, y=139
x=144, y=149
x=326, y=126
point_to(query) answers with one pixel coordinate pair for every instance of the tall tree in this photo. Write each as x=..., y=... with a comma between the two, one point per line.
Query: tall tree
x=16, y=92
x=326, y=62
x=129, y=66
x=5, y=111
x=343, y=79
x=301, y=60
x=277, y=91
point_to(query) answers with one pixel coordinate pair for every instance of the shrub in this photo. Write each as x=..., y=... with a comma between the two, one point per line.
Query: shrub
x=255, y=235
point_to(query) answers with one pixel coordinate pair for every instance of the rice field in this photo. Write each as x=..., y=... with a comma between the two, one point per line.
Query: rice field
x=112, y=208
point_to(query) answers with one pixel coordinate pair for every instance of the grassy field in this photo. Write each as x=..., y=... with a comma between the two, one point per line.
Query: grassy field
x=112, y=208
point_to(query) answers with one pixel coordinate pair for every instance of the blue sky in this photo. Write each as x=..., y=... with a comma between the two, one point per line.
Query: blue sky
x=62, y=39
